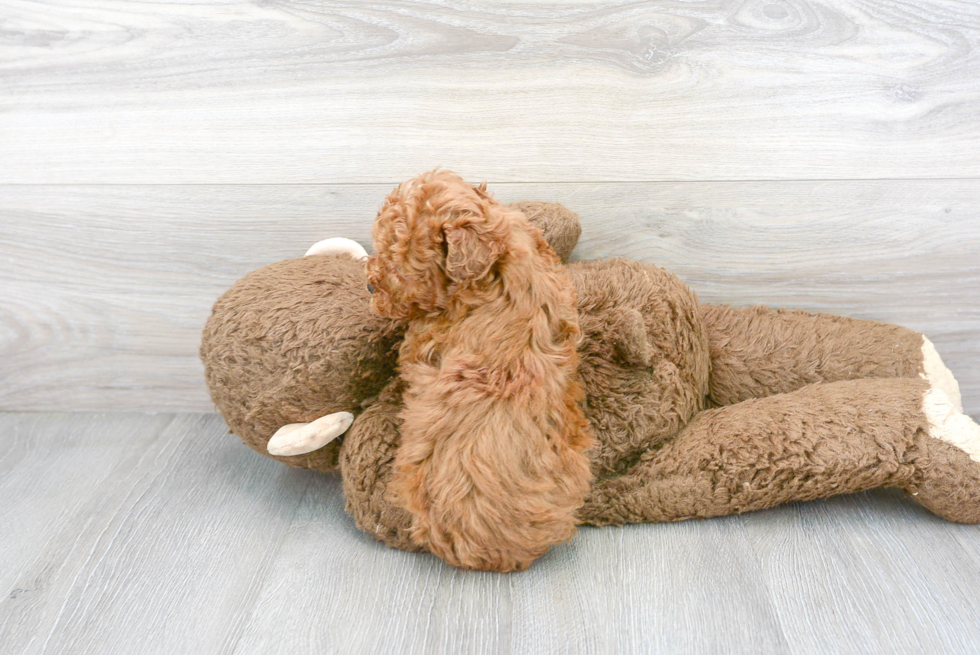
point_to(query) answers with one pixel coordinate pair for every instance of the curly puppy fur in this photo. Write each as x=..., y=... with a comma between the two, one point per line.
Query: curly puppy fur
x=492, y=464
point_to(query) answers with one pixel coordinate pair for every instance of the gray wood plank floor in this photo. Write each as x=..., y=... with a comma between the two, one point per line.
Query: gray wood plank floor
x=129, y=533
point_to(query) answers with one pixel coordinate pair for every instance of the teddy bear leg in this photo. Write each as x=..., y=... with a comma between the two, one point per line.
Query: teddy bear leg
x=366, y=462
x=947, y=480
x=820, y=441
x=759, y=351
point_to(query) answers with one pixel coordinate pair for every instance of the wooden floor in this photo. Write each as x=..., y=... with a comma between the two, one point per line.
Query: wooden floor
x=135, y=533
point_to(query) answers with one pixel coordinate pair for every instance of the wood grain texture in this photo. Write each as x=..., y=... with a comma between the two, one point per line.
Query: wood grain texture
x=56, y=463
x=301, y=92
x=632, y=590
x=882, y=544
x=105, y=289
x=173, y=537
x=164, y=554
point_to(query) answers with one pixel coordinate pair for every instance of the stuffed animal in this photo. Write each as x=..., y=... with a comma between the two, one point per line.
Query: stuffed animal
x=698, y=410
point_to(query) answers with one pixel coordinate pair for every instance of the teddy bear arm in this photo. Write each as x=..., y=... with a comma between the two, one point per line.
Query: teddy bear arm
x=560, y=225
x=367, y=459
x=758, y=351
x=821, y=441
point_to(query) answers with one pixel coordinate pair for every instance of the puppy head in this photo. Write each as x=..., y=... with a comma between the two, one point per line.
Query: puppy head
x=434, y=235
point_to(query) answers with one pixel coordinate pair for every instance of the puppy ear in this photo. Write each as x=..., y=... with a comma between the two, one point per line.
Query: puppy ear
x=469, y=254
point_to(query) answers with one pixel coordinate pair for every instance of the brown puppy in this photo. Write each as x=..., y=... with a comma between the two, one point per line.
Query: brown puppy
x=492, y=462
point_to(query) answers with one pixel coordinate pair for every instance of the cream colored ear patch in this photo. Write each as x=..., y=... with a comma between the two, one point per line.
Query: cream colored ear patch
x=950, y=425
x=938, y=376
x=337, y=246
x=302, y=438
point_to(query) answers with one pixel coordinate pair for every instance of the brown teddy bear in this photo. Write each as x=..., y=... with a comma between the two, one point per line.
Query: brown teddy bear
x=699, y=410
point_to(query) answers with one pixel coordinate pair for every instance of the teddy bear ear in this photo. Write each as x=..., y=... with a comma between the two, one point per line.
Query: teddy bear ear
x=629, y=334
x=470, y=253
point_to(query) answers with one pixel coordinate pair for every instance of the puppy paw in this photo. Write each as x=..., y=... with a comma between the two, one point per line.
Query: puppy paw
x=302, y=438
x=337, y=246
x=938, y=376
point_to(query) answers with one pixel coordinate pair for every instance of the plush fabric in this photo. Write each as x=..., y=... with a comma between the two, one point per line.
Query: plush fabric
x=698, y=410
x=560, y=225
x=293, y=341
x=822, y=440
x=750, y=357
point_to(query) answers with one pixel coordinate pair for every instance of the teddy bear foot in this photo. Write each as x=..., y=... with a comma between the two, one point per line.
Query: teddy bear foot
x=302, y=438
x=948, y=480
x=938, y=376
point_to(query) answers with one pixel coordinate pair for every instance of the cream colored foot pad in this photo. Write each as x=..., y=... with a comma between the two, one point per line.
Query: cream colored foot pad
x=938, y=376
x=950, y=425
x=302, y=438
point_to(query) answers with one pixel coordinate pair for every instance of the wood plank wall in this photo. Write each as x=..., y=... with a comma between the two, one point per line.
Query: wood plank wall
x=821, y=154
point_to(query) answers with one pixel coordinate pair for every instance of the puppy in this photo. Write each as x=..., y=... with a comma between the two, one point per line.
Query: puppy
x=492, y=463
